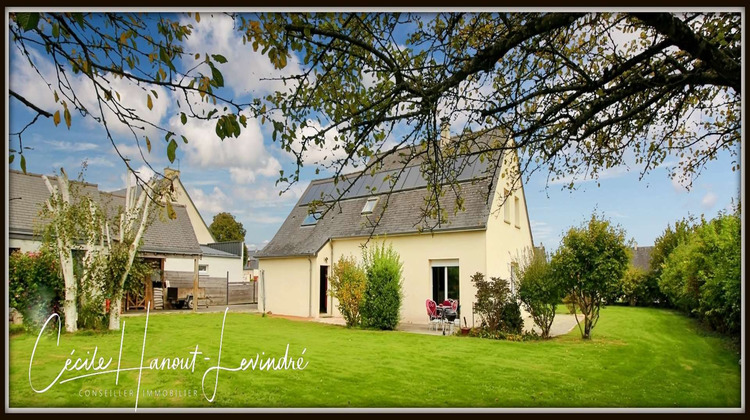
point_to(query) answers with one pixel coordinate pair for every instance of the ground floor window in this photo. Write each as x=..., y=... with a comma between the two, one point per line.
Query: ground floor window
x=445, y=282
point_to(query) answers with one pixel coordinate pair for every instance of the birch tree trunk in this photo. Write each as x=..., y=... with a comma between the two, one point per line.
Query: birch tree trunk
x=58, y=205
x=132, y=225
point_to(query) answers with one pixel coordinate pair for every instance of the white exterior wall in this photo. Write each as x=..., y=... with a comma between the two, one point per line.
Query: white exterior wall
x=293, y=284
x=286, y=282
x=25, y=245
x=217, y=267
x=199, y=225
x=507, y=242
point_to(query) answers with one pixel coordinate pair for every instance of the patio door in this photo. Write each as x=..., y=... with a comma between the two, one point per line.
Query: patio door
x=445, y=281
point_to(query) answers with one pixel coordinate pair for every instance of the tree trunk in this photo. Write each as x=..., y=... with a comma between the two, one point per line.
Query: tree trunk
x=114, y=311
x=587, y=327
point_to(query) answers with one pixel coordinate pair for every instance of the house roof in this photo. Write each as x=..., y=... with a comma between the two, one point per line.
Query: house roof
x=252, y=262
x=345, y=219
x=234, y=248
x=642, y=257
x=213, y=252
x=164, y=236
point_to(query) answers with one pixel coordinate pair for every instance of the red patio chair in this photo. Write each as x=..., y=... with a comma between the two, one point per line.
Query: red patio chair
x=432, y=313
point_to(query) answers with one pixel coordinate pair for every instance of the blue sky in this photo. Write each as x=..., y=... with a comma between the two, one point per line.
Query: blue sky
x=238, y=175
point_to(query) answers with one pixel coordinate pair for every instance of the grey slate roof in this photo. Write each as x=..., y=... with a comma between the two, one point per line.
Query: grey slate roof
x=212, y=252
x=252, y=262
x=231, y=247
x=163, y=236
x=642, y=257
x=27, y=194
x=345, y=220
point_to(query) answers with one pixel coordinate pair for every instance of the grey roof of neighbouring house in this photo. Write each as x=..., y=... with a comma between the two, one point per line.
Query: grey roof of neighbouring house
x=642, y=257
x=403, y=214
x=252, y=262
x=27, y=193
x=231, y=247
x=213, y=252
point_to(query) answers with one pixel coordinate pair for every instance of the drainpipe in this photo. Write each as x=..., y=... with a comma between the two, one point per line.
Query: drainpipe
x=309, y=294
x=330, y=271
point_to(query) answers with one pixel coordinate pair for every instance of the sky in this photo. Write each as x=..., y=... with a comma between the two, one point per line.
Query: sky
x=237, y=175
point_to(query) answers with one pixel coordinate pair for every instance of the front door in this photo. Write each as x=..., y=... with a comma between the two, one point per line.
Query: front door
x=323, y=289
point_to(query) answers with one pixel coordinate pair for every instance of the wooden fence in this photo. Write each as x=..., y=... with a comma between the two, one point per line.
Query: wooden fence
x=216, y=288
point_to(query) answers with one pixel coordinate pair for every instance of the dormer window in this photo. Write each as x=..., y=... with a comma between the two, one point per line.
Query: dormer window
x=311, y=219
x=369, y=205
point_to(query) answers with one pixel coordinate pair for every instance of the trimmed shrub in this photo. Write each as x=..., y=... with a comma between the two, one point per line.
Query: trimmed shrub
x=381, y=307
x=539, y=290
x=348, y=283
x=496, y=306
x=511, y=320
x=35, y=286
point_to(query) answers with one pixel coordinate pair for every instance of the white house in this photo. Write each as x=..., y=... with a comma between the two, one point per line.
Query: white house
x=487, y=236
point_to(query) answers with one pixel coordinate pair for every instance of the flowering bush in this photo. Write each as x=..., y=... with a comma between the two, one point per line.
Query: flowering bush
x=35, y=287
x=348, y=283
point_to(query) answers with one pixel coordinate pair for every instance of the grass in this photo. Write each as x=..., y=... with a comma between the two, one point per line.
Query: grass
x=639, y=357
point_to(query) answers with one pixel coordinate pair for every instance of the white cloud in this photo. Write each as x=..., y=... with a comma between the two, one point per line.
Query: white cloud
x=70, y=146
x=245, y=68
x=314, y=154
x=144, y=173
x=709, y=200
x=262, y=195
x=27, y=82
x=542, y=232
x=614, y=172
x=212, y=203
x=245, y=156
x=100, y=161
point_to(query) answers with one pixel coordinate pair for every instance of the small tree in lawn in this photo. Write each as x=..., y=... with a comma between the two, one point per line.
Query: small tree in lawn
x=590, y=262
x=381, y=307
x=539, y=290
x=348, y=284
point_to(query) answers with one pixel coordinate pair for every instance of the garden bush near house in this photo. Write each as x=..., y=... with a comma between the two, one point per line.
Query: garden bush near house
x=35, y=286
x=539, y=290
x=589, y=264
x=348, y=283
x=381, y=306
x=496, y=306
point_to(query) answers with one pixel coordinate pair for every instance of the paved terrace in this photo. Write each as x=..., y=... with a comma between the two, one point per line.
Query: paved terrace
x=563, y=323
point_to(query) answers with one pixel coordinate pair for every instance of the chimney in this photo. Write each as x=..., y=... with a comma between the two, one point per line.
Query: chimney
x=171, y=173
x=445, y=131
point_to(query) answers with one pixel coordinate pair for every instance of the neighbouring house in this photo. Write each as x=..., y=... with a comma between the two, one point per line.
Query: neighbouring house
x=252, y=270
x=170, y=246
x=220, y=260
x=487, y=237
x=642, y=257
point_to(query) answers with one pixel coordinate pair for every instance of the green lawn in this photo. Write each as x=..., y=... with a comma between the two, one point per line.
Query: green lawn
x=638, y=358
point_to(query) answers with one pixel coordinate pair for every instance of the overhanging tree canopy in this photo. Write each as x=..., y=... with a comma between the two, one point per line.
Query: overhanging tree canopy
x=578, y=92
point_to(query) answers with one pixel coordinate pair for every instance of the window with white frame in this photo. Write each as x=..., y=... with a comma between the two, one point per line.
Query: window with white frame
x=203, y=269
x=506, y=206
x=311, y=219
x=445, y=280
x=517, y=211
x=369, y=205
